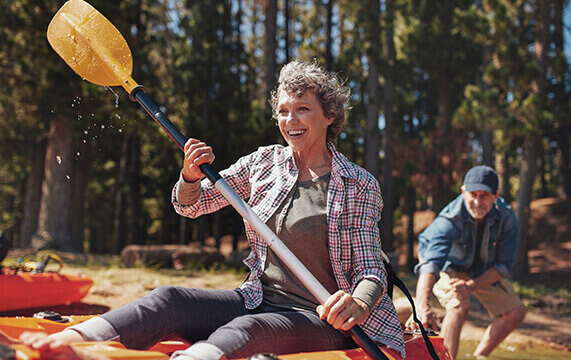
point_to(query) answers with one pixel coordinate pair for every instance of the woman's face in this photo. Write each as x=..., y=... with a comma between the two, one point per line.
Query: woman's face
x=302, y=122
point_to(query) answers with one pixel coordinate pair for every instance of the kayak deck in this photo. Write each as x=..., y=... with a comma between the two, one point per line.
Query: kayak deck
x=15, y=326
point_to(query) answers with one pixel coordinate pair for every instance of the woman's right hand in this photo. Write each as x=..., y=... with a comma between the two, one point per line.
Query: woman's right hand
x=196, y=153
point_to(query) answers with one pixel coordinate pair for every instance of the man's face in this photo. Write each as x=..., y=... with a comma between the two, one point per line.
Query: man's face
x=478, y=203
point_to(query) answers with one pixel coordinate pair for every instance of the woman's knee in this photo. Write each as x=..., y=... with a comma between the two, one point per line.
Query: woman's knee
x=166, y=296
x=165, y=292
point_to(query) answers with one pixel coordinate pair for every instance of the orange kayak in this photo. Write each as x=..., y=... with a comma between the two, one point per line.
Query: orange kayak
x=29, y=290
x=15, y=326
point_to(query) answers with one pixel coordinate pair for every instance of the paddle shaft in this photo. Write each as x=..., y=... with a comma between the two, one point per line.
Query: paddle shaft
x=279, y=248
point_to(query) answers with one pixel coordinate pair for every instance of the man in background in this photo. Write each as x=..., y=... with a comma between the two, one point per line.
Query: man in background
x=469, y=249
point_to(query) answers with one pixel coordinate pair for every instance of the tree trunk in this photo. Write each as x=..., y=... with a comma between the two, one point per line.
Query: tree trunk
x=54, y=228
x=79, y=188
x=486, y=137
x=329, y=36
x=562, y=134
x=33, y=195
x=502, y=169
x=286, y=30
x=373, y=90
x=136, y=233
x=119, y=220
x=564, y=188
x=531, y=147
x=527, y=177
x=388, y=188
x=410, y=236
x=442, y=195
x=271, y=13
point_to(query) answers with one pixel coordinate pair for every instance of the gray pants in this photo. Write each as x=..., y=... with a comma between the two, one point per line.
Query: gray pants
x=219, y=318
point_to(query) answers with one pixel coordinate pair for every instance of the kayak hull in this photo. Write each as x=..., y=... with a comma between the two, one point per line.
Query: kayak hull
x=15, y=326
x=28, y=290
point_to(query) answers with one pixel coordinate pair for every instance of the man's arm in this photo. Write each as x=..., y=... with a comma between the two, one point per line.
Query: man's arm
x=425, y=314
x=462, y=289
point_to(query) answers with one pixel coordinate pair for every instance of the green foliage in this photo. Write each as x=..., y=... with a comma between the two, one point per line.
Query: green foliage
x=537, y=292
x=202, y=62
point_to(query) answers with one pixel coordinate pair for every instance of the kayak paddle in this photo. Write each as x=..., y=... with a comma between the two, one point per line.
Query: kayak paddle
x=97, y=52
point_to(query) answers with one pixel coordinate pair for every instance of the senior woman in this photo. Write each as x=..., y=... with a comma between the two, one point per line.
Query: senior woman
x=324, y=208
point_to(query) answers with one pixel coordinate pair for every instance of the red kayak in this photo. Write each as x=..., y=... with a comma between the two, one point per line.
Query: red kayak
x=30, y=290
x=14, y=326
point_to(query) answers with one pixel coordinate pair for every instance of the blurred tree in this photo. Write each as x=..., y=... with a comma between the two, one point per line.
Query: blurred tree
x=387, y=182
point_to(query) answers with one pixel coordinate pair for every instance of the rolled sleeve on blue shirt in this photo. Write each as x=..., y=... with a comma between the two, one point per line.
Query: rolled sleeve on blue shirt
x=503, y=270
x=427, y=267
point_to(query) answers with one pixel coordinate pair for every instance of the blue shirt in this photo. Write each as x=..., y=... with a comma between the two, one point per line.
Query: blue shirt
x=450, y=241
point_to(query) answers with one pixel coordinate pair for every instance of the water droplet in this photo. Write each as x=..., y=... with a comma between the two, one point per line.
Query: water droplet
x=77, y=153
x=86, y=132
x=58, y=159
x=120, y=130
x=102, y=127
x=68, y=177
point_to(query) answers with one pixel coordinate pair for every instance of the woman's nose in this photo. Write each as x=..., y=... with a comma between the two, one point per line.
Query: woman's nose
x=291, y=118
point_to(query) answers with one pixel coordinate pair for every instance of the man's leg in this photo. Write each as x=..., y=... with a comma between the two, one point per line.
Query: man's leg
x=452, y=326
x=499, y=329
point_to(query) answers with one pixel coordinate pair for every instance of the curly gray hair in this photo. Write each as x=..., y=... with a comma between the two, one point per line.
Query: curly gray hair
x=299, y=76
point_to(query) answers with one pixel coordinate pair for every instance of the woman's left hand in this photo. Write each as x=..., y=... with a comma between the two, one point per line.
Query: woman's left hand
x=343, y=311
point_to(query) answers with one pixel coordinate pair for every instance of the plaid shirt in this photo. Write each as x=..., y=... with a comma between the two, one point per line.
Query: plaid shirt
x=354, y=205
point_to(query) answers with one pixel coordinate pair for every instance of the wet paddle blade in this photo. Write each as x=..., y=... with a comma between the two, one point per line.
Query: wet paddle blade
x=91, y=45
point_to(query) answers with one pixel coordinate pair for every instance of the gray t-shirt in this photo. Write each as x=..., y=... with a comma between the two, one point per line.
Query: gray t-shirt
x=301, y=223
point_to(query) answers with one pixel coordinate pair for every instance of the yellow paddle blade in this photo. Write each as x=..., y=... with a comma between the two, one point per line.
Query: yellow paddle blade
x=91, y=45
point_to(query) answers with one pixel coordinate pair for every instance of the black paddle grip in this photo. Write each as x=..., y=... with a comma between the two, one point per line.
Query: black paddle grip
x=367, y=344
x=138, y=95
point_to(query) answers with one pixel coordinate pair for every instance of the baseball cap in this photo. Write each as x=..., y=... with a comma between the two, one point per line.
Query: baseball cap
x=481, y=178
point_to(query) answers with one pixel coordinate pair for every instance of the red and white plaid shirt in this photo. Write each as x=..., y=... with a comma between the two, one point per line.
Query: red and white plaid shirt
x=354, y=205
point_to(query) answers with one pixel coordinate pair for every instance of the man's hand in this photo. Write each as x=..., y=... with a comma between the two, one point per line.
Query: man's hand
x=425, y=314
x=343, y=311
x=461, y=289
x=426, y=317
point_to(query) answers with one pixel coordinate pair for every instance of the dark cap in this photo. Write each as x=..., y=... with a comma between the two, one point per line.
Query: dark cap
x=481, y=178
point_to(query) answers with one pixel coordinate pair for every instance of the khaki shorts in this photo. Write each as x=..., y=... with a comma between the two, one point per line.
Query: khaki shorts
x=497, y=299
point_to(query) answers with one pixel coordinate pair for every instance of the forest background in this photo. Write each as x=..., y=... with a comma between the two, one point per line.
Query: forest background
x=438, y=87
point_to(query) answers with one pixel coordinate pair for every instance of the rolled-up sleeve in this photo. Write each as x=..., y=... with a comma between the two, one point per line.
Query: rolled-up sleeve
x=505, y=253
x=434, y=245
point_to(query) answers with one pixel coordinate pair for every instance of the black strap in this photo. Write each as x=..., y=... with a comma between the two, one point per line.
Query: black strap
x=398, y=282
x=392, y=280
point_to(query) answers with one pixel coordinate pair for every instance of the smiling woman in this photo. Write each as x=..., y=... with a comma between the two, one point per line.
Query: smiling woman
x=305, y=185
